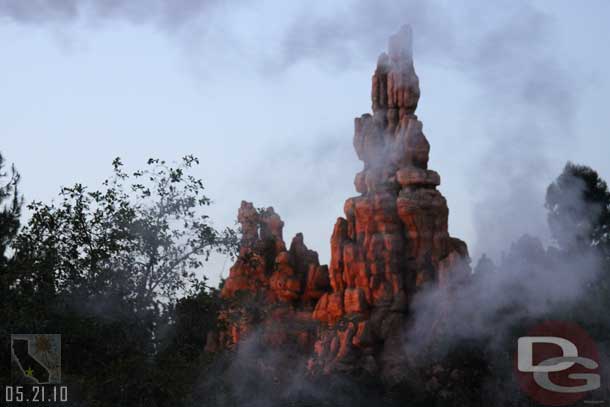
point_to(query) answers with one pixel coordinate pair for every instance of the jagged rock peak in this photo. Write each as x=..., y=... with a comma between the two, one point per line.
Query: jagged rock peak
x=395, y=83
x=391, y=141
x=259, y=225
x=282, y=284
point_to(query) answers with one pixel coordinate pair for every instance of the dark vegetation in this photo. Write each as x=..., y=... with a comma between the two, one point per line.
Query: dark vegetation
x=115, y=271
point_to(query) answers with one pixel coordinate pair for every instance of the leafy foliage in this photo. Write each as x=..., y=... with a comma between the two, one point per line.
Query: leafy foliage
x=117, y=272
x=141, y=239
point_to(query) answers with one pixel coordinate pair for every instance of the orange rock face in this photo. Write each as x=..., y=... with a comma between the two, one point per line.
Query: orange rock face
x=272, y=288
x=392, y=241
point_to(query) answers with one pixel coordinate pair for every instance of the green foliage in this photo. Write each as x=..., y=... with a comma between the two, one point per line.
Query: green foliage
x=141, y=238
x=116, y=271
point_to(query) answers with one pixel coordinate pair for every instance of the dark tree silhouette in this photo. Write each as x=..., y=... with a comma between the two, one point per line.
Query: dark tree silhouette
x=579, y=209
x=10, y=211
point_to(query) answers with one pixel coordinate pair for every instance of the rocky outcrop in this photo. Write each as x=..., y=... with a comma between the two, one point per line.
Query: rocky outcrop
x=392, y=241
x=270, y=287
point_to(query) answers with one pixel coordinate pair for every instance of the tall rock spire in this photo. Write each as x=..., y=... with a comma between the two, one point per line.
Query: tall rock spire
x=391, y=138
x=394, y=237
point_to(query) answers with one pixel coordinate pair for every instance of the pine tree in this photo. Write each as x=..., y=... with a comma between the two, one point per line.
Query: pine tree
x=10, y=208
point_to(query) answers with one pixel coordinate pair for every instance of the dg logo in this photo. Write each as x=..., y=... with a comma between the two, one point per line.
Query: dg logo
x=557, y=363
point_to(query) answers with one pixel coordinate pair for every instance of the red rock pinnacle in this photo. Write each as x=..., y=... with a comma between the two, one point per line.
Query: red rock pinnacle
x=394, y=236
x=279, y=285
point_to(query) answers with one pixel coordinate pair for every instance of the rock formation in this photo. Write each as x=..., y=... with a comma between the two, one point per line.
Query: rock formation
x=394, y=236
x=393, y=240
x=270, y=287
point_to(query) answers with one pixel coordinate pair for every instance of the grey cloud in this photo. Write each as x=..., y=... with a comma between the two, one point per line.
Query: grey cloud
x=358, y=32
x=164, y=12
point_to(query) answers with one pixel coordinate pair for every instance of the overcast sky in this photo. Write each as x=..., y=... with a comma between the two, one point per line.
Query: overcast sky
x=265, y=93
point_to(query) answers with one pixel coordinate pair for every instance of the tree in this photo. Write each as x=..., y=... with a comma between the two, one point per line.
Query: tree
x=579, y=209
x=10, y=207
x=10, y=211
x=579, y=219
x=106, y=269
x=142, y=238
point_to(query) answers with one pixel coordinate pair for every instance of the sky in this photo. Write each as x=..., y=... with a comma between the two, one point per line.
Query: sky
x=265, y=93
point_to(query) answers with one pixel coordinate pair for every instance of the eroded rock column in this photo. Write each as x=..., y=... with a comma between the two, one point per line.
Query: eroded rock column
x=394, y=237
